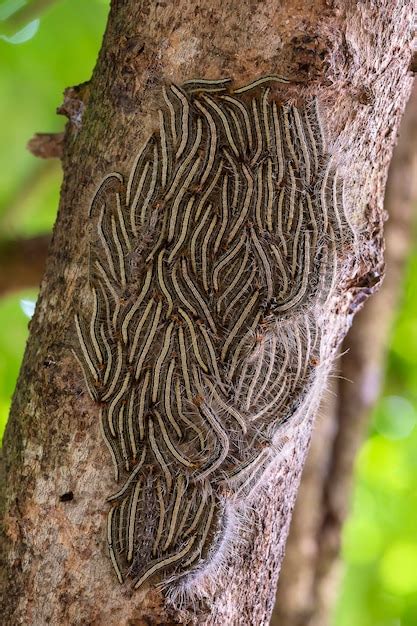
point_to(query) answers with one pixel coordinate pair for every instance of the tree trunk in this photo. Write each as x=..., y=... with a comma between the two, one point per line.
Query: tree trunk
x=57, y=474
x=310, y=573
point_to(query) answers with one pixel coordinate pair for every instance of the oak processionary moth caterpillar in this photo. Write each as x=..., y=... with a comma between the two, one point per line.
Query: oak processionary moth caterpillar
x=208, y=267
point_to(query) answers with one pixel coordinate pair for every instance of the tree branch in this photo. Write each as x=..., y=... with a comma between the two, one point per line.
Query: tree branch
x=30, y=11
x=46, y=145
x=22, y=263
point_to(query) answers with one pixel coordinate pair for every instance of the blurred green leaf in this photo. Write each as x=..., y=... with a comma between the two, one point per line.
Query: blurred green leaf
x=394, y=417
x=14, y=325
x=381, y=463
x=362, y=540
x=28, y=307
x=398, y=570
x=9, y=7
x=24, y=34
x=34, y=76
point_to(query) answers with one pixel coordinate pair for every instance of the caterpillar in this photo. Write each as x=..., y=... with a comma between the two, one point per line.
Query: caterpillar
x=209, y=264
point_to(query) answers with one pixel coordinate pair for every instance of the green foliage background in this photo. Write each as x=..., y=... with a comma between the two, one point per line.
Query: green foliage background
x=58, y=48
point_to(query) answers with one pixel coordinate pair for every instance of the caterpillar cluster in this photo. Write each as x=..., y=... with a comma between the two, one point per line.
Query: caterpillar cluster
x=207, y=269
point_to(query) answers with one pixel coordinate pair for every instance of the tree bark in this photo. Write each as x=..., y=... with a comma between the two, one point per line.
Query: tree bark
x=355, y=58
x=310, y=575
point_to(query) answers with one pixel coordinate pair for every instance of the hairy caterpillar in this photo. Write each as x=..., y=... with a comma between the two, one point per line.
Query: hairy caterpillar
x=208, y=268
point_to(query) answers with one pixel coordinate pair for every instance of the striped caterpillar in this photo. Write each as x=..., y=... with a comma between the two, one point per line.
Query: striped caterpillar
x=209, y=265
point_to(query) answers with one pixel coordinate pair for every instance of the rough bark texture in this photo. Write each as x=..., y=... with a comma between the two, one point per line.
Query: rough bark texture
x=310, y=577
x=355, y=57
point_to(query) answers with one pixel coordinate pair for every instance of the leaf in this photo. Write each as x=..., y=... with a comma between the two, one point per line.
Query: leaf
x=23, y=35
x=28, y=307
x=9, y=7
